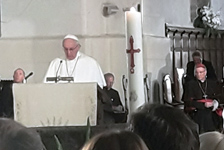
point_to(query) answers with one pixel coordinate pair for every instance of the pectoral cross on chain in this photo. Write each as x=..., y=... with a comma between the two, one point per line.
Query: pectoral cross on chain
x=205, y=96
x=132, y=51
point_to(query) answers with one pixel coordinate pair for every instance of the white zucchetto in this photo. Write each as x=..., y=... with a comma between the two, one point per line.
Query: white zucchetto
x=70, y=36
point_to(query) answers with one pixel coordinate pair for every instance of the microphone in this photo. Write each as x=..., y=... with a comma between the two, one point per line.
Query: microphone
x=30, y=74
x=56, y=79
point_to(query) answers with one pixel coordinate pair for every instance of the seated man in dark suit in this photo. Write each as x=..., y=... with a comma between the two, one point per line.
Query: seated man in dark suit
x=197, y=59
x=113, y=94
x=6, y=95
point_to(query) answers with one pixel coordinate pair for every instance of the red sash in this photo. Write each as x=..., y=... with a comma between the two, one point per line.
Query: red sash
x=218, y=110
x=204, y=100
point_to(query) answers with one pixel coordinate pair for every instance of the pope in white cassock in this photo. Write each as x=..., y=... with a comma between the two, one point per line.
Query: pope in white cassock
x=76, y=64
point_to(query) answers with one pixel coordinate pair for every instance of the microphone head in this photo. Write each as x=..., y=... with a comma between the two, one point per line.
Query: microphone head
x=30, y=74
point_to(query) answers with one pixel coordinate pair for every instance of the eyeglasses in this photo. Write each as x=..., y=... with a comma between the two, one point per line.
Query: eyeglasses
x=200, y=72
x=71, y=49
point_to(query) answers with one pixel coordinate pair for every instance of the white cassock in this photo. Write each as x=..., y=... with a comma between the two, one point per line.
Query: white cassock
x=83, y=69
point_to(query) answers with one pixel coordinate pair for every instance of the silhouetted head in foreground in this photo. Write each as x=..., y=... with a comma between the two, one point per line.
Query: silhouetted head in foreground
x=115, y=140
x=14, y=136
x=165, y=128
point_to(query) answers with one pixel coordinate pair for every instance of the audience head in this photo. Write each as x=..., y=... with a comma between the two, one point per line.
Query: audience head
x=211, y=141
x=18, y=76
x=15, y=136
x=200, y=72
x=71, y=46
x=165, y=128
x=115, y=140
x=197, y=58
x=109, y=77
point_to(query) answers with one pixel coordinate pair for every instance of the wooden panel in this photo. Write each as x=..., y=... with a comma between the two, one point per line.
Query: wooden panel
x=213, y=58
x=192, y=42
x=219, y=64
x=185, y=59
x=205, y=43
x=177, y=58
x=177, y=41
x=200, y=42
x=184, y=41
x=212, y=44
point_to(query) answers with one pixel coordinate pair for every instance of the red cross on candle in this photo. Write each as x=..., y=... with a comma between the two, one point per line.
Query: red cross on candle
x=132, y=51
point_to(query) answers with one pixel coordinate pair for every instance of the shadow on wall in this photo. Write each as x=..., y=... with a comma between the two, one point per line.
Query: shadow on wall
x=158, y=85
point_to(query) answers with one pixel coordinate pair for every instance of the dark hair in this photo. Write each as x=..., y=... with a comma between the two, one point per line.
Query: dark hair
x=115, y=140
x=165, y=128
x=108, y=75
x=14, y=136
x=196, y=54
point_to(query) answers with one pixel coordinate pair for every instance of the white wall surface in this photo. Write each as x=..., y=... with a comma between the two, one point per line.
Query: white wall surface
x=29, y=18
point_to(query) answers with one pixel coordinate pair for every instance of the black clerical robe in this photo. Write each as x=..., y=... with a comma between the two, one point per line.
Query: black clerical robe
x=6, y=99
x=116, y=101
x=114, y=96
x=196, y=90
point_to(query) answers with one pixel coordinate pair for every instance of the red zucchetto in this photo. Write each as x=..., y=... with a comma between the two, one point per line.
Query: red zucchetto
x=200, y=65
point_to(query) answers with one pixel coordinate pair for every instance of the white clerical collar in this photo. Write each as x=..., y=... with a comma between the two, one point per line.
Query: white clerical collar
x=202, y=81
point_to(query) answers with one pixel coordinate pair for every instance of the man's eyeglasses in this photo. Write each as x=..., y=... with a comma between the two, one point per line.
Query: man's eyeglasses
x=71, y=49
x=200, y=72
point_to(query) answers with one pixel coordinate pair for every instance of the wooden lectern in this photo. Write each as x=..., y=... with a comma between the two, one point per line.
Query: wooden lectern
x=38, y=105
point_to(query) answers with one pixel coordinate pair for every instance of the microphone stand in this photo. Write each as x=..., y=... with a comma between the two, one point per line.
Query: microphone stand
x=58, y=77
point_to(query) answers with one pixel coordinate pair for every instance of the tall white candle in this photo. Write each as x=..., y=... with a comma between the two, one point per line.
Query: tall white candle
x=133, y=26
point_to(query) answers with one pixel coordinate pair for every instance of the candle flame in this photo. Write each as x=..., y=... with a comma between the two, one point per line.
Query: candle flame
x=132, y=9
